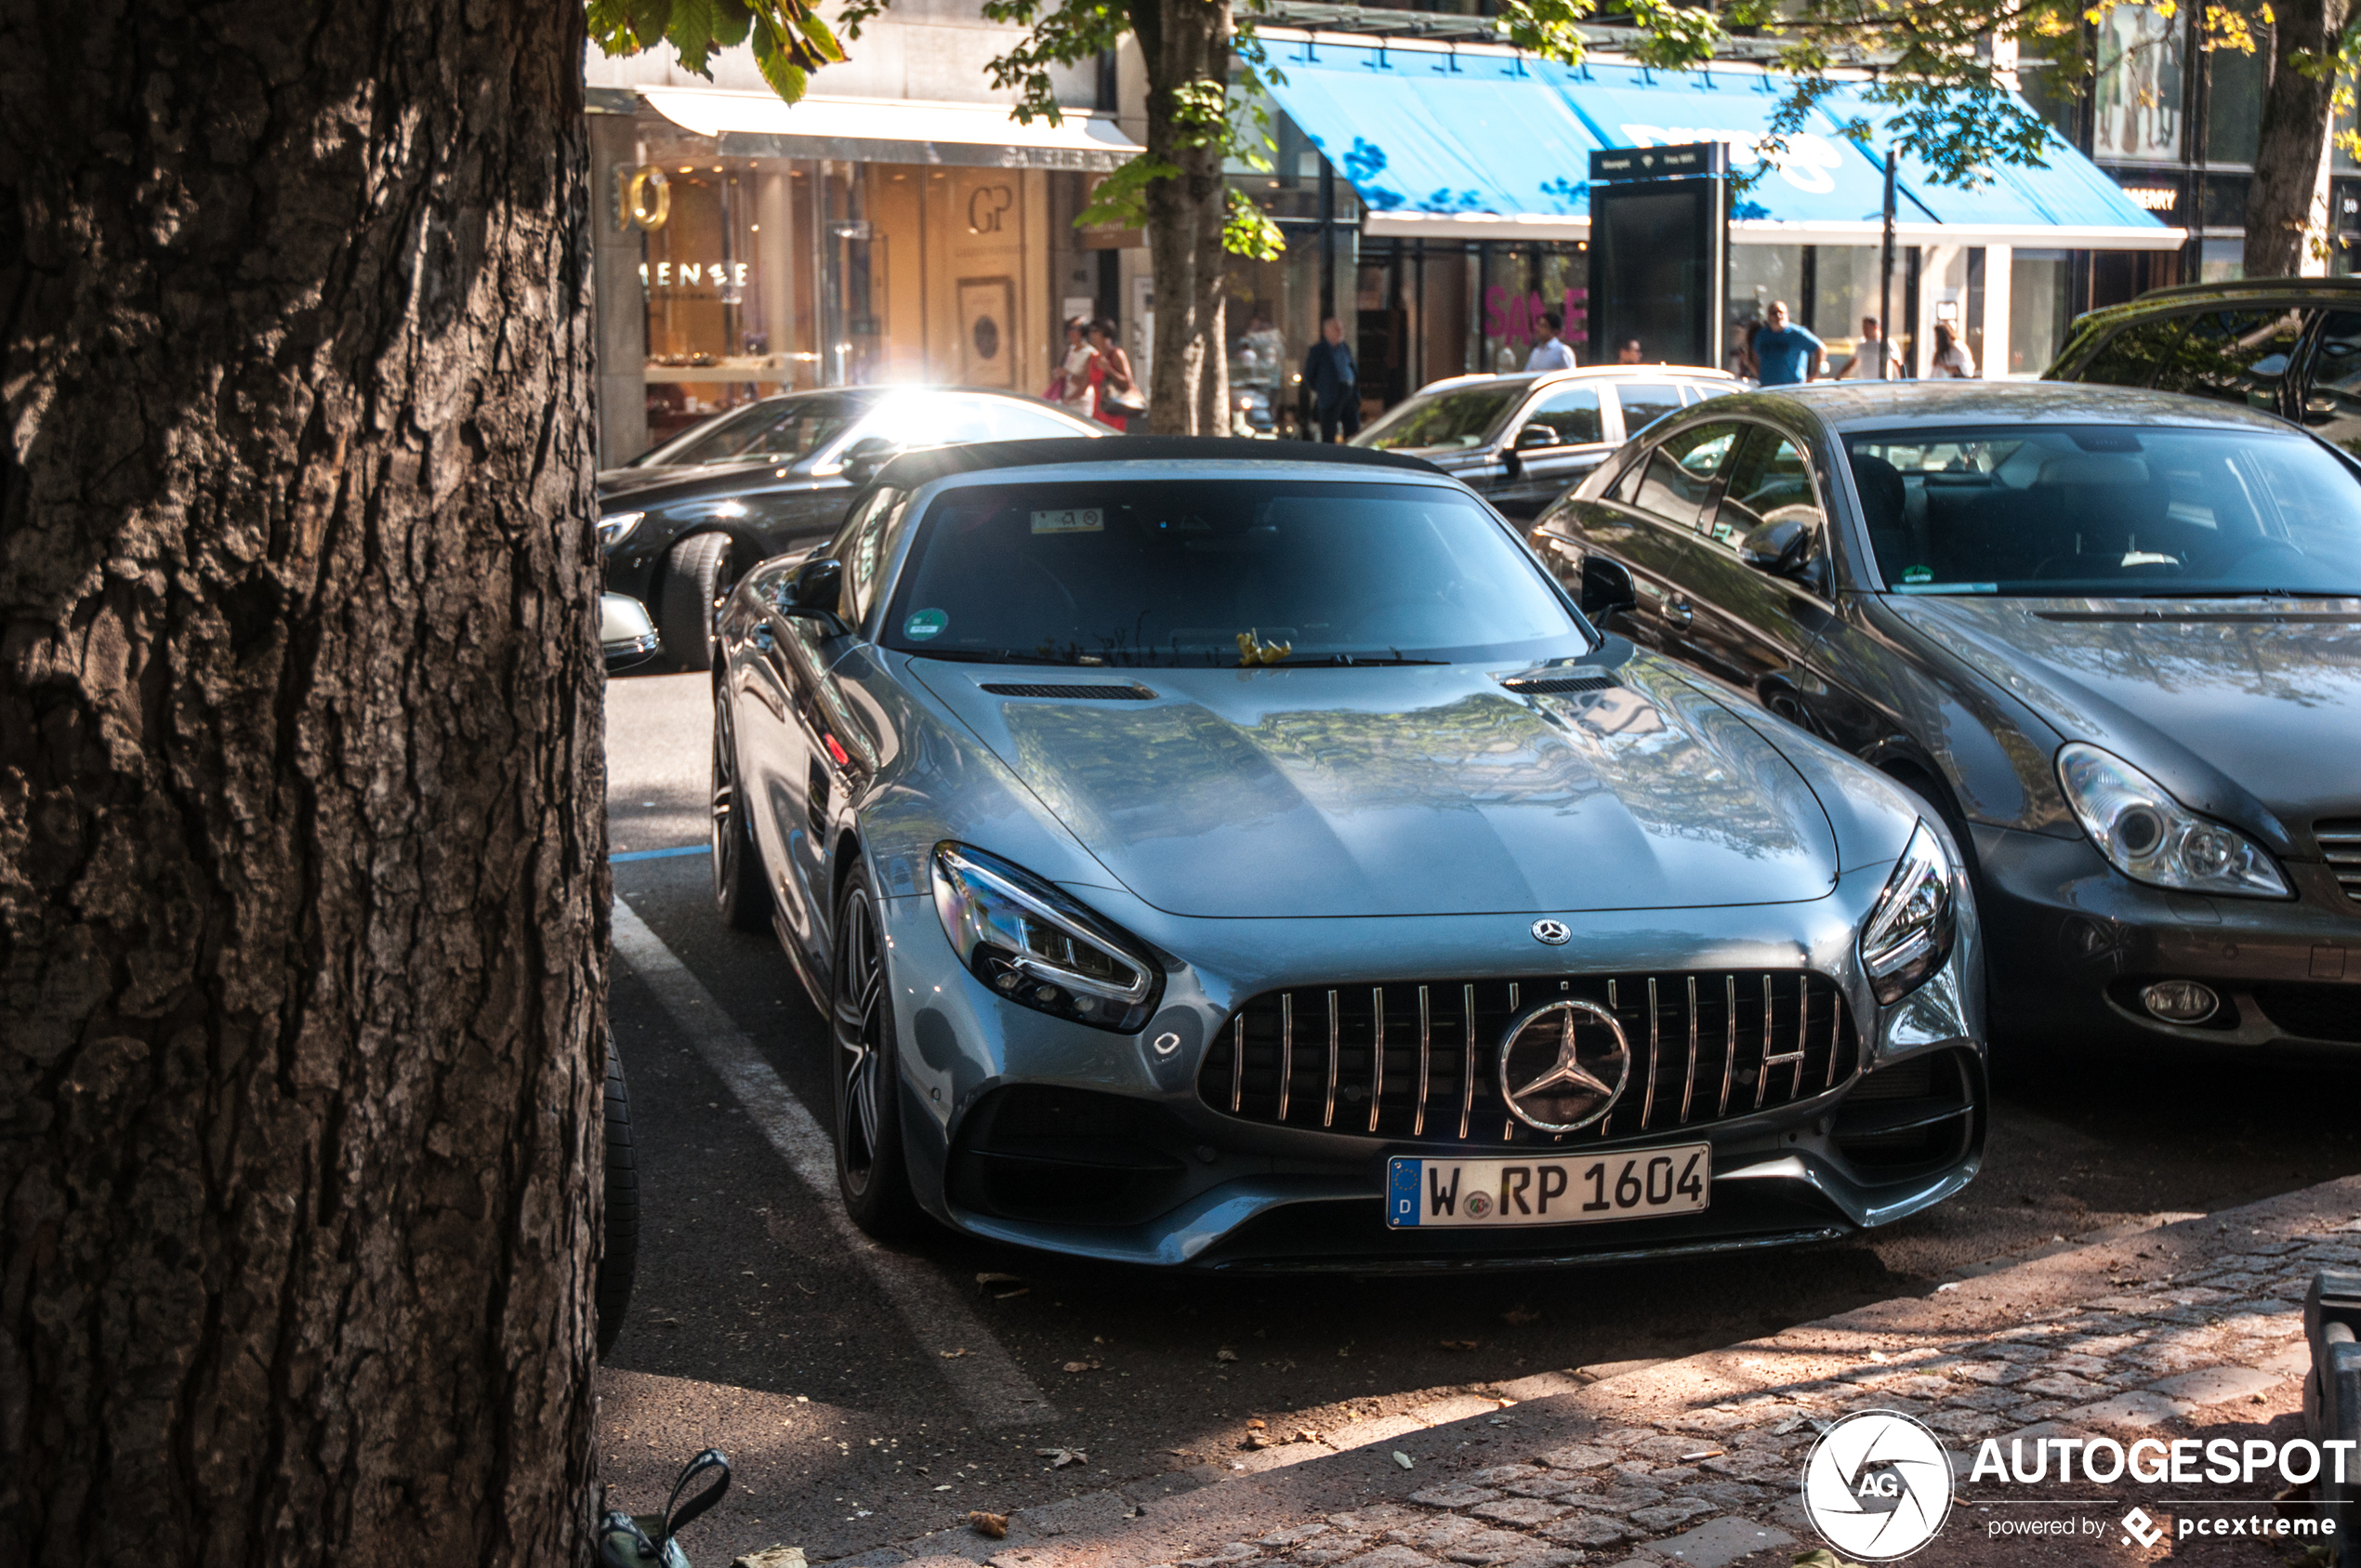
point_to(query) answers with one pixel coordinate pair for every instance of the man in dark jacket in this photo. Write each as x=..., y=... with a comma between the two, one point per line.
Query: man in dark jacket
x=1334, y=382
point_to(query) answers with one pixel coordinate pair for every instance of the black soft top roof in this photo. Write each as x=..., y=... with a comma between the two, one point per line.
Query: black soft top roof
x=913, y=469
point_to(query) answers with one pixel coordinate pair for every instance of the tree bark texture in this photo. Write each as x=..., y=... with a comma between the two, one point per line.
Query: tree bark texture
x=1183, y=41
x=302, y=861
x=2286, y=199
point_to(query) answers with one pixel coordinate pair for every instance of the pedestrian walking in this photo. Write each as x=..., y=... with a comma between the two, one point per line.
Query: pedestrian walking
x=1334, y=382
x=1072, y=387
x=1789, y=355
x=1119, y=401
x=1874, y=345
x=1951, y=360
x=1550, y=352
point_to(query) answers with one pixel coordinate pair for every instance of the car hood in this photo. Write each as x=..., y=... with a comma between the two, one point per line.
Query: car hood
x=2218, y=698
x=1423, y=790
x=656, y=487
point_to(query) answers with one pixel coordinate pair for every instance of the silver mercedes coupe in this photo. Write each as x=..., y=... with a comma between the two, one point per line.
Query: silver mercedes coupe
x=1232, y=855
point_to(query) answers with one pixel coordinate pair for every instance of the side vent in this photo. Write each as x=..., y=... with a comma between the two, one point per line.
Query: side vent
x=815, y=800
x=1560, y=685
x=1102, y=693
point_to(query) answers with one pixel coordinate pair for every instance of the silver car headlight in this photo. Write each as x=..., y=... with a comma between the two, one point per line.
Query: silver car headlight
x=1908, y=934
x=1040, y=948
x=2151, y=837
x=615, y=526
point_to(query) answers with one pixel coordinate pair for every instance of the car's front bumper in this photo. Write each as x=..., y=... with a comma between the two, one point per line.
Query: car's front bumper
x=1211, y=1188
x=2078, y=943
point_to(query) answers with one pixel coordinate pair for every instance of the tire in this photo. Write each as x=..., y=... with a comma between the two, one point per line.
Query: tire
x=741, y=894
x=872, y=1174
x=619, y=1257
x=696, y=573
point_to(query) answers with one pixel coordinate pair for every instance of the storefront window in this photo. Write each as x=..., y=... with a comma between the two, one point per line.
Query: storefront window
x=2039, y=300
x=2138, y=101
x=2054, y=96
x=2234, y=112
x=2221, y=262
x=1848, y=284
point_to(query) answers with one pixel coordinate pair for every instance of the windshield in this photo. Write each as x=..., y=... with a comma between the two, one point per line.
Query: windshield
x=2108, y=511
x=775, y=430
x=1461, y=418
x=1125, y=572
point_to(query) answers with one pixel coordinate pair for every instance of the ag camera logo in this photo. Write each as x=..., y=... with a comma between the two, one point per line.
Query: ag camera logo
x=1876, y=1486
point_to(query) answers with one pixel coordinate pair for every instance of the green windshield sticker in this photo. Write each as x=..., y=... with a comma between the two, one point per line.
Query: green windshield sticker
x=1918, y=573
x=925, y=623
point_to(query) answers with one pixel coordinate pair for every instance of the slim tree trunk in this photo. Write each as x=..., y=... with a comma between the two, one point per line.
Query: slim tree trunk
x=302, y=863
x=1183, y=43
x=2286, y=200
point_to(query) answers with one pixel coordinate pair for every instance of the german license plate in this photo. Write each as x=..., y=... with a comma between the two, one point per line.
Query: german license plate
x=1574, y=1191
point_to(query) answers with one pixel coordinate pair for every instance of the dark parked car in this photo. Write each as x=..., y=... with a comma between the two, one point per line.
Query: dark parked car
x=2115, y=637
x=680, y=523
x=1520, y=441
x=2291, y=345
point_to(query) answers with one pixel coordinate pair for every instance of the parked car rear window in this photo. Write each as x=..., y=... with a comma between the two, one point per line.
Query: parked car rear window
x=2110, y=509
x=1644, y=403
x=775, y=430
x=2235, y=356
x=1461, y=418
x=1132, y=573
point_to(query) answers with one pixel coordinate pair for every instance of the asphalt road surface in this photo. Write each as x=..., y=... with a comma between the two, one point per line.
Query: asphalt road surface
x=869, y=1395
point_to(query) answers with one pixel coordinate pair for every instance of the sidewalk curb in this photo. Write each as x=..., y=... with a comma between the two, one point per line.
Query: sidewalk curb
x=2117, y=1331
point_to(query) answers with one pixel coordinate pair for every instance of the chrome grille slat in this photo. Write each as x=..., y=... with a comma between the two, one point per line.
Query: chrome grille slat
x=2339, y=843
x=1734, y=1028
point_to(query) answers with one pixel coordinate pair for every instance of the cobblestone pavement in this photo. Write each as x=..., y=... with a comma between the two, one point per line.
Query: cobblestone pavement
x=1696, y=1462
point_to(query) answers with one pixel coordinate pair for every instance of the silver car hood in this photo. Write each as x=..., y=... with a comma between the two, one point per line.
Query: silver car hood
x=1420, y=790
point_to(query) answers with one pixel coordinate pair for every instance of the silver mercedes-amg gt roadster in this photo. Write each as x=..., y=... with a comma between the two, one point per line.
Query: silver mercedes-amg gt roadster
x=1247, y=856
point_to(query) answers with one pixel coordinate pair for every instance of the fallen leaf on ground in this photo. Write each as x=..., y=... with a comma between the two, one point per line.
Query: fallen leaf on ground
x=1305, y=1435
x=994, y=1525
x=1013, y=1295
x=1082, y=1366
x=955, y=1355
x=771, y=1557
x=1460, y=1344
x=998, y=1278
x=1225, y=1353
x=1520, y=1315
x=1400, y=1458
x=1061, y=1458
x=1823, y=1558
x=1256, y=1423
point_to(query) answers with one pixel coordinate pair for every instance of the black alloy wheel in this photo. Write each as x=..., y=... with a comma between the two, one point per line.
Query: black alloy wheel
x=871, y=1171
x=619, y=1248
x=740, y=893
x=696, y=574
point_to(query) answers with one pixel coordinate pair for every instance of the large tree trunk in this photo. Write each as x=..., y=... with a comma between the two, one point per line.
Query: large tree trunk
x=2286, y=200
x=1186, y=42
x=302, y=861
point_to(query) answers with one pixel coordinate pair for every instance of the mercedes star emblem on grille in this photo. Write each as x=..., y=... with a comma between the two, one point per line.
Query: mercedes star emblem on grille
x=1553, y=932
x=1563, y=1064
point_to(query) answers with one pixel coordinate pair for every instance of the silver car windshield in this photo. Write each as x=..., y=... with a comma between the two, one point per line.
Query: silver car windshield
x=1445, y=421
x=2112, y=510
x=1220, y=571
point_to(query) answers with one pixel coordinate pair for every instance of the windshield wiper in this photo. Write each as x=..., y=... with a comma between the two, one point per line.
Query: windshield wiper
x=2249, y=593
x=993, y=656
x=1339, y=660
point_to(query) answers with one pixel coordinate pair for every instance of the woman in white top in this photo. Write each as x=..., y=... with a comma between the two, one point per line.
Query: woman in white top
x=1077, y=396
x=1951, y=358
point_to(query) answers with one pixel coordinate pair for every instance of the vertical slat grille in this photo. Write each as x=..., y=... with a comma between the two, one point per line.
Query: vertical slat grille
x=1398, y=1066
x=2341, y=847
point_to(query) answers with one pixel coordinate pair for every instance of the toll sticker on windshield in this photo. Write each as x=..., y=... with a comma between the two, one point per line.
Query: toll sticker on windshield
x=1074, y=520
x=925, y=623
x=1918, y=573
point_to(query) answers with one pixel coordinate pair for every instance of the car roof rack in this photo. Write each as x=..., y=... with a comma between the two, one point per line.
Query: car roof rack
x=913, y=468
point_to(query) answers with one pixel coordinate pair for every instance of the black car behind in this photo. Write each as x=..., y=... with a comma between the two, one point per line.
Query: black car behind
x=678, y=525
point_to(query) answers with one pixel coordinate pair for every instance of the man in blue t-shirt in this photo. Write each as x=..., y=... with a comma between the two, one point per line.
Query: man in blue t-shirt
x=1787, y=355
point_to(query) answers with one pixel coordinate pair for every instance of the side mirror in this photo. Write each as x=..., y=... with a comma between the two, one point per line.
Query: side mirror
x=1537, y=435
x=627, y=637
x=1606, y=588
x=813, y=593
x=1779, y=546
x=864, y=457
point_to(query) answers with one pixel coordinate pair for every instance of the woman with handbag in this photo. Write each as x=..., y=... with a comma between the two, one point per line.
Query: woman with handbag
x=1118, y=395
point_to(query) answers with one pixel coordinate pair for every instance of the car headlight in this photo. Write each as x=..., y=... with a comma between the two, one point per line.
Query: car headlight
x=1037, y=947
x=1907, y=936
x=615, y=525
x=2151, y=837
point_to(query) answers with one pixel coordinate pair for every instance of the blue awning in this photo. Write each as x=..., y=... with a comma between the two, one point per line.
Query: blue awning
x=1483, y=144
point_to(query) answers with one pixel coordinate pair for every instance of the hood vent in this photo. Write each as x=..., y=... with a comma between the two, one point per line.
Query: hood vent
x=1558, y=685
x=1105, y=693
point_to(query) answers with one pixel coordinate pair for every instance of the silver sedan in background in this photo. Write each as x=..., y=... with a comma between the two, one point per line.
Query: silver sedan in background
x=1257, y=861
